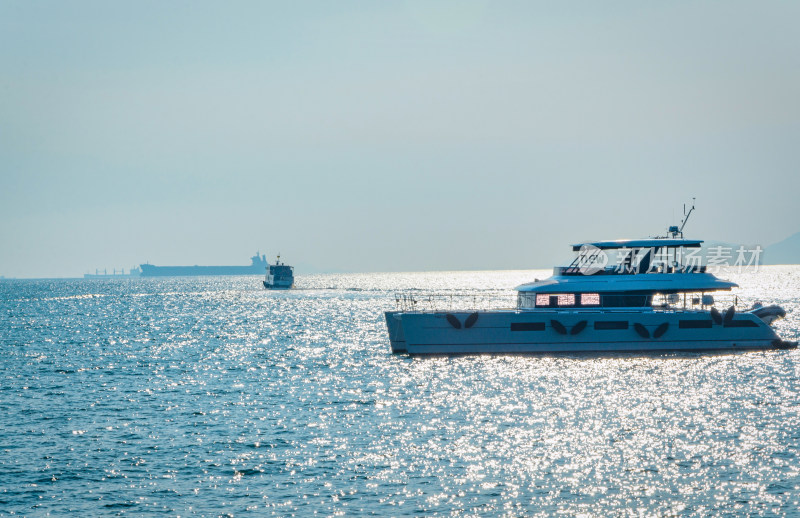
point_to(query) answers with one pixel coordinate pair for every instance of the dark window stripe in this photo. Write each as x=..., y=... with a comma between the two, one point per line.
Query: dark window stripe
x=605, y=325
x=528, y=326
x=742, y=323
x=694, y=324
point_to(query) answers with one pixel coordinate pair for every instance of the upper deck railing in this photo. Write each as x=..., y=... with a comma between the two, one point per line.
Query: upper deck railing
x=581, y=269
x=455, y=300
x=631, y=257
x=501, y=299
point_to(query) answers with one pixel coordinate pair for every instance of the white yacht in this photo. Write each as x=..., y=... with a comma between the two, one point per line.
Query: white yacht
x=651, y=299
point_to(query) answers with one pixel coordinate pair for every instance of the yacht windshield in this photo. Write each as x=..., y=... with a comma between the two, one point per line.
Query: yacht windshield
x=628, y=261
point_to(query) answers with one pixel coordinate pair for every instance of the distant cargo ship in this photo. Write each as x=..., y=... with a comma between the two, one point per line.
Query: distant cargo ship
x=258, y=266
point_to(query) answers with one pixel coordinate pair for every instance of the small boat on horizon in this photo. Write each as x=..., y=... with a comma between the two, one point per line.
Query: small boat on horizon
x=133, y=273
x=279, y=276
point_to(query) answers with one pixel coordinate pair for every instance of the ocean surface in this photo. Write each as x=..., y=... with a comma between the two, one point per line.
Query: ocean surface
x=211, y=396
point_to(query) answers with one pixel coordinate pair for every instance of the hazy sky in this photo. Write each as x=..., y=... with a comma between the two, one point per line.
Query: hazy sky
x=391, y=135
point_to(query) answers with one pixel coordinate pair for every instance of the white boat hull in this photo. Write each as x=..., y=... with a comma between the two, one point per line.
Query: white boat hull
x=537, y=331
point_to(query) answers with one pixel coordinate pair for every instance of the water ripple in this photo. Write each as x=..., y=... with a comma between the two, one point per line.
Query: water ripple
x=212, y=396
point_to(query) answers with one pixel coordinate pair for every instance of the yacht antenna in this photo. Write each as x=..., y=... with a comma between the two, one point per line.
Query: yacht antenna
x=676, y=231
x=686, y=216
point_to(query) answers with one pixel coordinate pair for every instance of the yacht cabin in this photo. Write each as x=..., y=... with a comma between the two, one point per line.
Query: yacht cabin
x=659, y=273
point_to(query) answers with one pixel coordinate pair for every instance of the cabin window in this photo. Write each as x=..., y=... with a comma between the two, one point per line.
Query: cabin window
x=626, y=301
x=526, y=300
x=590, y=299
x=542, y=299
x=610, y=324
x=566, y=299
x=742, y=323
x=695, y=324
x=527, y=326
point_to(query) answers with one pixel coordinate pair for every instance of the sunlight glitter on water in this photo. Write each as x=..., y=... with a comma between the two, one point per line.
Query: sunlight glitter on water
x=214, y=396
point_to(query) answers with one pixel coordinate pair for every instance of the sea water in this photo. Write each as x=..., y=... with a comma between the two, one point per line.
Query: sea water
x=212, y=396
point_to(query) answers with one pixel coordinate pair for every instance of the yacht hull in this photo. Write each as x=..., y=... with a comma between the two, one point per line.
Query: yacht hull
x=397, y=339
x=535, y=332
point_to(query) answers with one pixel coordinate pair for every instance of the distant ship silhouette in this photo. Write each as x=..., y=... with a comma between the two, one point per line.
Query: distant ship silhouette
x=258, y=266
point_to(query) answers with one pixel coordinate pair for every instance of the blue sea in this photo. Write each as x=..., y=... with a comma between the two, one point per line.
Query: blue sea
x=210, y=396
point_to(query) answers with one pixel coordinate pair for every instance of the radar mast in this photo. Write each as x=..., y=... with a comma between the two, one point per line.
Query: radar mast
x=676, y=231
